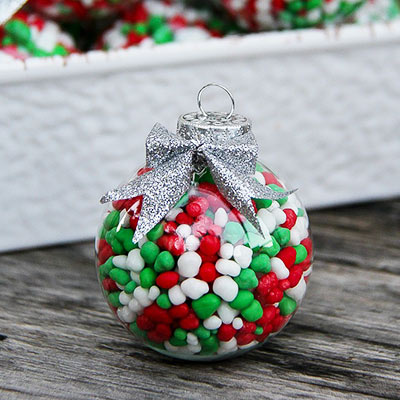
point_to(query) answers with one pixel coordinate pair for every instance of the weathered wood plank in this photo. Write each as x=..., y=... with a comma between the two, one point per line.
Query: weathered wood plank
x=59, y=341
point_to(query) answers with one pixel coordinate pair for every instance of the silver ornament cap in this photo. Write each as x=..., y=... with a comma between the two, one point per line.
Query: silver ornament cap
x=202, y=125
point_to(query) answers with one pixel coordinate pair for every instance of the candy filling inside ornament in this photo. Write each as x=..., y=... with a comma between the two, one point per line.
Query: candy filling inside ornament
x=204, y=283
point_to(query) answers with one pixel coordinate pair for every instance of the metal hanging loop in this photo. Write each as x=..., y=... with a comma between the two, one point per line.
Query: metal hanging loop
x=221, y=87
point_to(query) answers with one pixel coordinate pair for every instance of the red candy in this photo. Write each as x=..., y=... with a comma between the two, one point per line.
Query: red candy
x=170, y=227
x=274, y=296
x=183, y=218
x=210, y=245
x=173, y=243
x=207, y=272
x=109, y=285
x=269, y=314
x=270, y=178
x=157, y=314
x=291, y=218
x=189, y=322
x=248, y=327
x=295, y=275
x=226, y=332
x=288, y=256
x=144, y=323
x=267, y=283
x=178, y=312
x=244, y=338
x=167, y=280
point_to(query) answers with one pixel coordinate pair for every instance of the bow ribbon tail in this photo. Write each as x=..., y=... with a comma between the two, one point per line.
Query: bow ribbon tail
x=239, y=189
x=161, y=189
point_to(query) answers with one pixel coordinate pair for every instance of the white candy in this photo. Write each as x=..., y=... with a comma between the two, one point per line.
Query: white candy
x=242, y=255
x=212, y=322
x=280, y=216
x=237, y=323
x=176, y=296
x=184, y=230
x=125, y=298
x=294, y=237
x=168, y=346
x=273, y=206
x=172, y=214
x=193, y=348
x=154, y=292
x=142, y=241
x=192, y=243
x=227, y=267
x=226, y=251
x=120, y=261
x=220, y=217
x=290, y=204
x=260, y=177
x=189, y=264
x=142, y=296
x=135, y=277
x=227, y=313
x=126, y=314
x=135, y=261
x=279, y=267
x=226, y=288
x=230, y=344
x=297, y=293
x=191, y=338
x=135, y=306
x=194, y=288
x=248, y=345
x=268, y=219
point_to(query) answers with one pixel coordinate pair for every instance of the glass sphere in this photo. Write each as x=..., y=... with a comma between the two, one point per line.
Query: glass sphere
x=204, y=284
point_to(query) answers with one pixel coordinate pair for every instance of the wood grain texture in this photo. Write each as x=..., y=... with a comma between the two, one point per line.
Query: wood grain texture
x=59, y=341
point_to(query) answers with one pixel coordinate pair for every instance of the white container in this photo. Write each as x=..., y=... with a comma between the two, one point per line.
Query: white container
x=324, y=104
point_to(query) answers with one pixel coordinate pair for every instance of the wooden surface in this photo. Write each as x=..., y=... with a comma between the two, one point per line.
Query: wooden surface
x=59, y=341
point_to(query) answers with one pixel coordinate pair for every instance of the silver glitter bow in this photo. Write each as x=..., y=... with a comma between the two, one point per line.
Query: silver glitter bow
x=173, y=159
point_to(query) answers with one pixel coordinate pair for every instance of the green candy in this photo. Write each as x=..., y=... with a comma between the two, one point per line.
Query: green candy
x=282, y=235
x=202, y=333
x=277, y=188
x=210, y=214
x=301, y=253
x=243, y=299
x=110, y=235
x=124, y=236
x=164, y=262
x=117, y=247
x=210, y=345
x=259, y=330
x=206, y=305
x=182, y=201
x=130, y=287
x=112, y=220
x=253, y=312
x=273, y=250
x=147, y=277
x=177, y=342
x=113, y=299
x=206, y=177
x=261, y=263
x=233, y=232
x=149, y=252
x=163, y=34
x=136, y=330
x=102, y=233
x=262, y=203
x=105, y=268
x=155, y=233
x=295, y=5
x=247, y=279
x=259, y=168
x=120, y=276
x=311, y=4
x=18, y=30
x=156, y=21
x=163, y=301
x=287, y=305
x=180, y=334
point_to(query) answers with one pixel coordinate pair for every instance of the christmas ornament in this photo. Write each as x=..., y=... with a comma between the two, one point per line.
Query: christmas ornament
x=290, y=14
x=205, y=254
x=157, y=22
x=26, y=35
